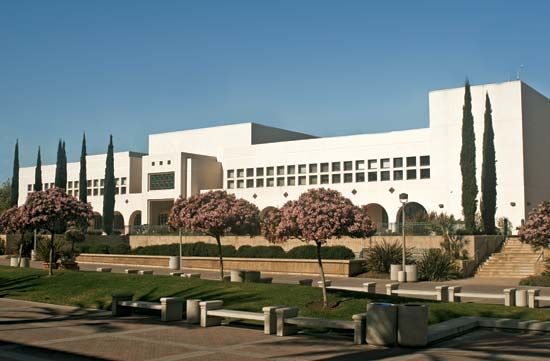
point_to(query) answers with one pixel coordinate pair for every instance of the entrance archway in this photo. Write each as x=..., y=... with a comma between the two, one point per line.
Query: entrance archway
x=97, y=222
x=379, y=215
x=118, y=222
x=416, y=217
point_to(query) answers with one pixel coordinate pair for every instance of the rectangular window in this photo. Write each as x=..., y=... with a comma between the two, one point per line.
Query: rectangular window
x=411, y=161
x=270, y=171
x=230, y=184
x=335, y=178
x=324, y=167
x=302, y=180
x=385, y=163
x=424, y=160
x=348, y=177
x=360, y=177
x=96, y=183
x=313, y=168
x=117, y=181
x=70, y=192
x=102, y=182
x=46, y=186
x=280, y=182
x=160, y=163
x=385, y=175
x=259, y=183
x=52, y=185
x=312, y=179
x=425, y=173
x=411, y=173
x=302, y=169
x=159, y=181
x=250, y=183
x=397, y=175
x=122, y=191
x=240, y=173
x=76, y=193
x=373, y=176
x=152, y=164
x=96, y=191
x=29, y=187
x=348, y=166
x=336, y=166
x=291, y=169
x=291, y=181
x=372, y=164
x=169, y=162
x=122, y=181
x=259, y=172
x=102, y=191
x=359, y=165
x=70, y=185
x=250, y=172
x=270, y=182
x=397, y=162
x=281, y=170
x=324, y=179
x=240, y=183
x=117, y=190
x=89, y=183
x=89, y=192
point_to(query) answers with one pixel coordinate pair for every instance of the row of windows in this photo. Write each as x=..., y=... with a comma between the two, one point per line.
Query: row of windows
x=94, y=186
x=358, y=177
x=346, y=166
x=160, y=181
x=160, y=162
x=90, y=191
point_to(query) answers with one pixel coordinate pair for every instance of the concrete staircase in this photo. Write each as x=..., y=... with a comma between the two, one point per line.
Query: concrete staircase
x=515, y=260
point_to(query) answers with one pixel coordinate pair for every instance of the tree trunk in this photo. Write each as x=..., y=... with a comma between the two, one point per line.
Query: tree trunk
x=20, y=251
x=221, y=256
x=322, y=272
x=50, y=269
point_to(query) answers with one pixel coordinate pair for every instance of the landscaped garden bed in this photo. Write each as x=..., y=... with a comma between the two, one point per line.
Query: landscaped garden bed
x=91, y=289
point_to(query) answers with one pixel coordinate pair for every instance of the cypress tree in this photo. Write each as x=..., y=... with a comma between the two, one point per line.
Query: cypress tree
x=468, y=162
x=82, y=181
x=63, y=166
x=38, y=173
x=15, y=176
x=58, y=166
x=488, y=202
x=109, y=190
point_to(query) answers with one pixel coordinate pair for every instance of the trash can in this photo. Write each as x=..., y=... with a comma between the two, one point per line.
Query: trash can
x=25, y=262
x=14, y=261
x=381, y=324
x=174, y=263
x=521, y=298
x=412, y=325
x=411, y=273
x=394, y=270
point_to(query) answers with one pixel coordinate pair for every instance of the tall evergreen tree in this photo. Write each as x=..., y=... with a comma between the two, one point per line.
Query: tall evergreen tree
x=58, y=166
x=38, y=173
x=488, y=204
x=64, y=165
x=82, y=181
x=468, y=162
x=109, y=190
x=15, y=176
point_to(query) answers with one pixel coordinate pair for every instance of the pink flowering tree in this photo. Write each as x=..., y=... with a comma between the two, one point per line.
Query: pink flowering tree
x=15, y=220
x=54, y=211
x=216, y=214
x=317, y=216
x=536, y=230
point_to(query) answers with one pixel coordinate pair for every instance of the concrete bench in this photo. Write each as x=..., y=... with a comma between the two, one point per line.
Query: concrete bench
x=192, y=275
x=171, y=308
x=441, y=293
x=212, y=313
x=103, y=269
x=370, y=287
x=131, y=271
x=328, y=283
x=266, y=280
x=176, y=274
x=145, y=272
x=288, y=323
x=508, y=296
x=534, y=298
x=305, y=282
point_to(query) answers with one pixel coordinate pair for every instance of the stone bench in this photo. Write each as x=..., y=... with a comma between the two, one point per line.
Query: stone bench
x=328, y=283
x=534, y=298
x=441, y=293
x=145, y=272
x=131, y=271
x=288, y=323
x=103, y=269
x=191, y=275
x=305, y=282
x=176, y=274
x=171, y=308
x=212, y=314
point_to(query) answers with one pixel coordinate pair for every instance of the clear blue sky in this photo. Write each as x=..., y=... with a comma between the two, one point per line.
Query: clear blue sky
x=132, y=68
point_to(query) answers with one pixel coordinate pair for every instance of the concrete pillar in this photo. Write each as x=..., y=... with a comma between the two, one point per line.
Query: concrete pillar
x=116, y=310
x=207, y=321
x=370, y=287
x=284, y=329
x=174, y=262
x=172, y=309
x=532, y=295
x=411, y=274
x=237, y=276
x=270, y=319
x=442, y=293
x=453, y=290
x=390, y=287
x=25, y=262
x=14, y=261
x=509, y=297
x=394, y=269
x=359, y=328
x=193, y=311
x=381, y=324
x=412, y=325
x=521, y=298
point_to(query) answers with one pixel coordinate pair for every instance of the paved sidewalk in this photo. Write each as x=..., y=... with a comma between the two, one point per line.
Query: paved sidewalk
x=37, y=332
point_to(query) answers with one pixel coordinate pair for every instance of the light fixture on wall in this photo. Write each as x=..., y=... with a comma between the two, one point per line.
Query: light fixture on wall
x=285, y=194
x=391, y=190
x=513, y=204
x=254, y=196
x=441, y=206
x=354, y=192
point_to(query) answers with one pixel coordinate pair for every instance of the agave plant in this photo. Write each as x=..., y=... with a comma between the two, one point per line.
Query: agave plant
x=437, y=265
x=382, y=255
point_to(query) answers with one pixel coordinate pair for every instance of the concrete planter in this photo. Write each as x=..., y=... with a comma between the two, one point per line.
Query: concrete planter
x=412, y=325
x=411, y=273
x=174, y=263
x=521, y=298
x=193, y=311
x=14, y=261
x=237, y=276
x=25, y=262
x=394, y=270
x=381, y=324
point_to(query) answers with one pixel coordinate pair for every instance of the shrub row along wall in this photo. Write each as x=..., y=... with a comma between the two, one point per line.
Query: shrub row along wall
x=333, y=268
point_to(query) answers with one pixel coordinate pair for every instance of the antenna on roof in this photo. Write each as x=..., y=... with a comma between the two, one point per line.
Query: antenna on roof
x=518, y=76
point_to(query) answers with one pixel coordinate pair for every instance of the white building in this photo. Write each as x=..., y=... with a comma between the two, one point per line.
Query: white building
x=269, y=166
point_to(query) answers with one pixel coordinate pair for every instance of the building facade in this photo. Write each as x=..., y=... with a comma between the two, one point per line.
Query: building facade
x=269, y=166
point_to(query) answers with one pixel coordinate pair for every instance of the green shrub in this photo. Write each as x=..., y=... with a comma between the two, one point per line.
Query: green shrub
x=436, y=265
x=327, y=252
x=43, y=249
x=119, y=248
x=261, y=252
x=2, y=247
x=382, y=255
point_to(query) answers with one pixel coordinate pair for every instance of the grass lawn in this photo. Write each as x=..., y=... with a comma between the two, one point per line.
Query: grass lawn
x=93, y=290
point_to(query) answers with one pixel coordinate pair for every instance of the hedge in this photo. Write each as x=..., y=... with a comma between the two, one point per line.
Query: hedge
x=201, y=249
